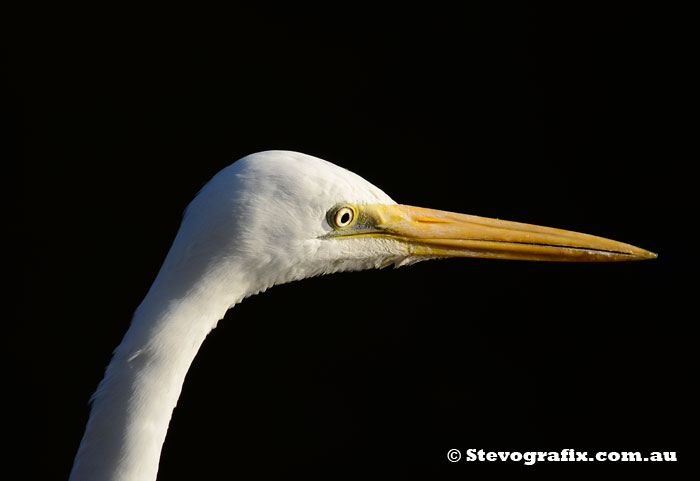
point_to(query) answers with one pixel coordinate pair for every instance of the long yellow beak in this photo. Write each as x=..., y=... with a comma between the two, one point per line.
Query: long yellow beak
x=435, y=233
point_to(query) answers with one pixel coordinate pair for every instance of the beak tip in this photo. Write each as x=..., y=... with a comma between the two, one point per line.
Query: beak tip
x=644, y=255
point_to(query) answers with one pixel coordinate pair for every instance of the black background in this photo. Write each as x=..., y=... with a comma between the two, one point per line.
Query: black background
x=558, y=117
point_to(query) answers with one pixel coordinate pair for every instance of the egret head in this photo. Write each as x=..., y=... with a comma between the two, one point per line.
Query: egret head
x=286, y=216
x=270, y=218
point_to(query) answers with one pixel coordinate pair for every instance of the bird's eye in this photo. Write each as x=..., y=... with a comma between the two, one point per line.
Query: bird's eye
x=343, y=217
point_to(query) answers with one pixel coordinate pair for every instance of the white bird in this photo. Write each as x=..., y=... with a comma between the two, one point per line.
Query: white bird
x=270, y=218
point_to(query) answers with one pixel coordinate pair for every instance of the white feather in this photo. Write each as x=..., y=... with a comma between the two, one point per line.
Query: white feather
x=257, y=223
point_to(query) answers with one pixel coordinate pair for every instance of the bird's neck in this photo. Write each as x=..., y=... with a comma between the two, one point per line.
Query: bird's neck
x=134, y=402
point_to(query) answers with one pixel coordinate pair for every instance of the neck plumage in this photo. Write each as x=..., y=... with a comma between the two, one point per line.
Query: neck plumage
x=134, y=402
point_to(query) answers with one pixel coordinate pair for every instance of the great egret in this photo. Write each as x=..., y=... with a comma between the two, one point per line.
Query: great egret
x=270, y=218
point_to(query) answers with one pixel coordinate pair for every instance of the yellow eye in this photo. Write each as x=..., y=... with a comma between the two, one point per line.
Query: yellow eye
x=343, y=217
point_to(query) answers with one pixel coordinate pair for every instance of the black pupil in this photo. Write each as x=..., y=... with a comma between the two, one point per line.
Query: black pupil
x=345, y=218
